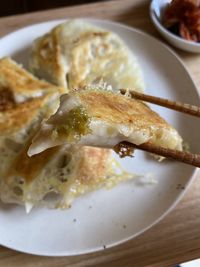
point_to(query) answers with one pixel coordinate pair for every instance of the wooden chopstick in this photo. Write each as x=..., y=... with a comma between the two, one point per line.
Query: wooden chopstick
x=182, y=156
x=175, y=105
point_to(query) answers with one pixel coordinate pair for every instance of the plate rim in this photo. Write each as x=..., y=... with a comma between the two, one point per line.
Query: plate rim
x=194, y=171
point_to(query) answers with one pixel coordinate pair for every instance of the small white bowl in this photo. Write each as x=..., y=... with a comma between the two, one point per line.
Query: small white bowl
x=156, y=10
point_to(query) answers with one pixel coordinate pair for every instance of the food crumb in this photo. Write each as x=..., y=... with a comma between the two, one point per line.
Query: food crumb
x=180, y=186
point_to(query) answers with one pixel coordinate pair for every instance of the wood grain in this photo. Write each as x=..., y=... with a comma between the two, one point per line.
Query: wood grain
x=126, y=148
x=177, y=237
x=174, y=105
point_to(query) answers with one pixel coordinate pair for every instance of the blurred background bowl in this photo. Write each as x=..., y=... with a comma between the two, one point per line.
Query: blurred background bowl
x=157, y=8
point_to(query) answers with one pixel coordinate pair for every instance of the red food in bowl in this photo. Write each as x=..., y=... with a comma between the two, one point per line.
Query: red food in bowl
x=182, y=17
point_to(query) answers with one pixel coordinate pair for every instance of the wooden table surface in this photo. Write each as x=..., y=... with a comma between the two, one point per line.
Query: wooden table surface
x=177, y=237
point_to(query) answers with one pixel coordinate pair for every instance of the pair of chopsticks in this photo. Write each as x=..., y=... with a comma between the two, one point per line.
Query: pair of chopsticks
x=182, y=156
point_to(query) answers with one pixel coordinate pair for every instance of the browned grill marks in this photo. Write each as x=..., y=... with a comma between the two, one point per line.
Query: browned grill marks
x=7, y=100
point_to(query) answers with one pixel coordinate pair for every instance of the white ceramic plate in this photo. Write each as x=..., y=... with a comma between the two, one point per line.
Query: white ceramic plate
x=109, y=217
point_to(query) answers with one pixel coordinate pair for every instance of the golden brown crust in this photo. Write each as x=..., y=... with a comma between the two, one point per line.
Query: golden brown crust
x=75, y=54
x=29, y=168
x=93, y=165
x=22, y=96
x=25, y=174
x=20, y=81
x=20, y=115
x=81, y=62
x=49, y=53
x=7, y=100
x=116, y=109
